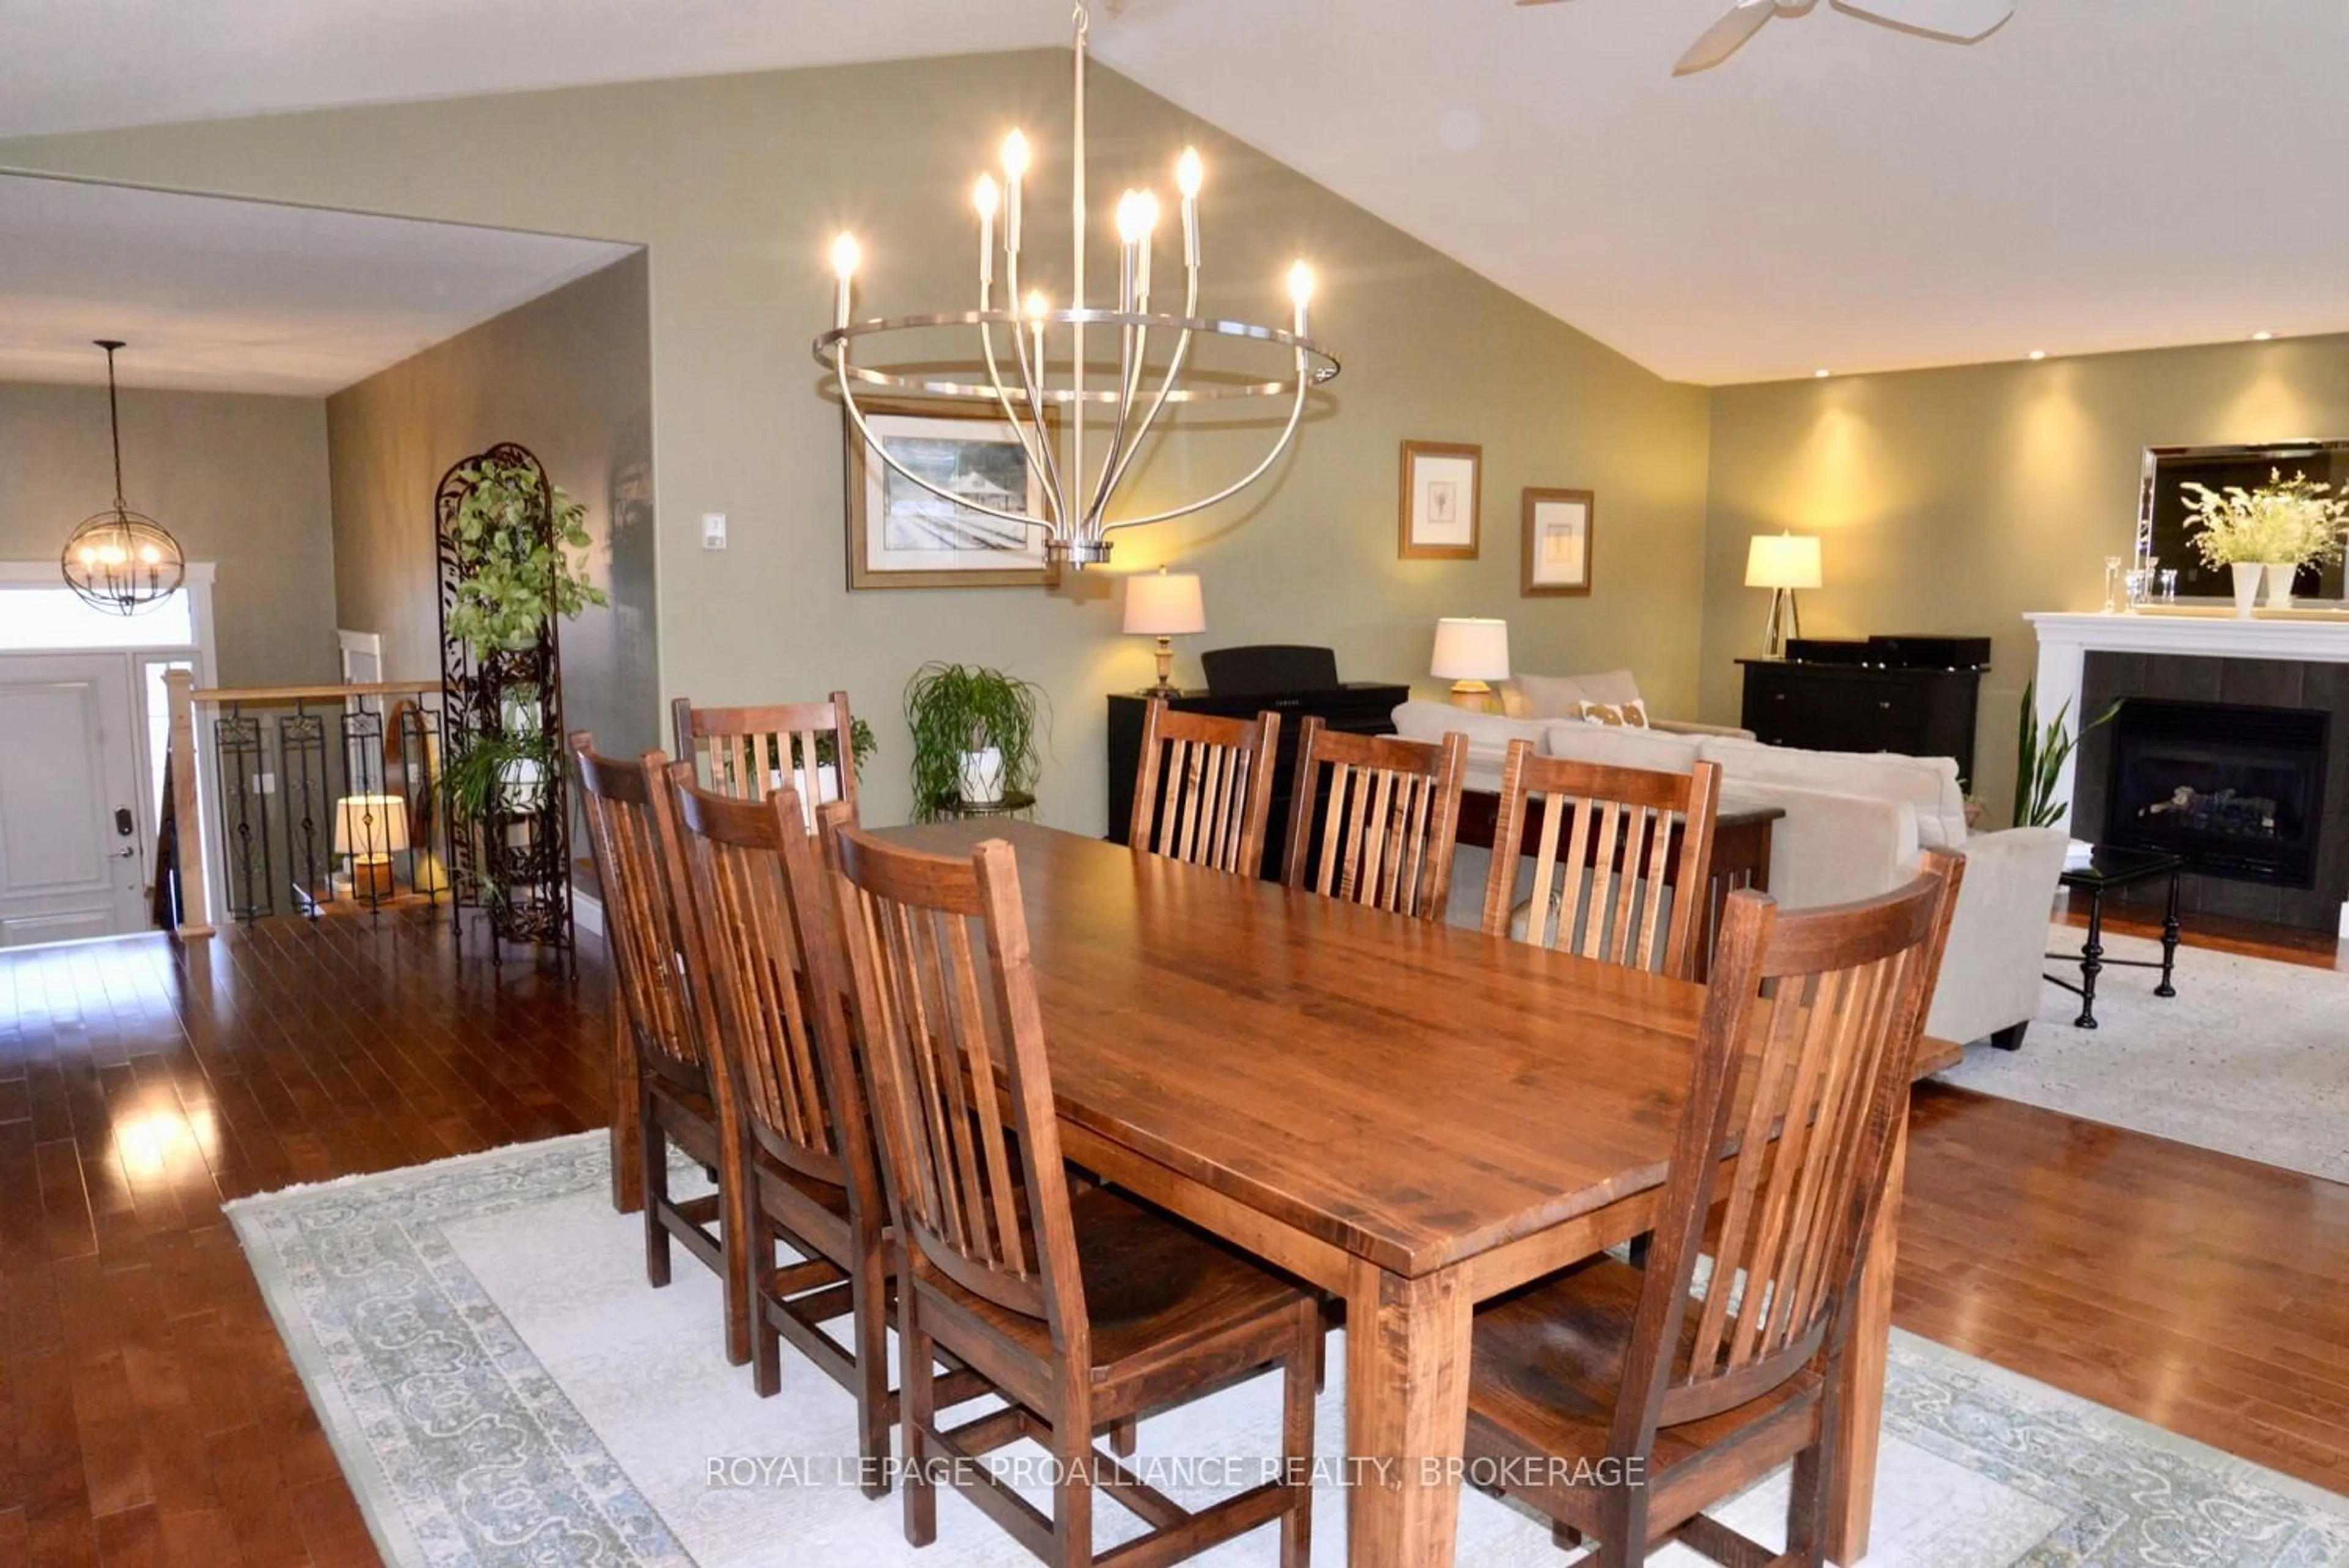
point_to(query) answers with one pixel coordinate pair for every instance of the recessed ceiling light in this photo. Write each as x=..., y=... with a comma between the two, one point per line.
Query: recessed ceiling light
x=1822, y=375
x=2262, y=337
x=2038, y=354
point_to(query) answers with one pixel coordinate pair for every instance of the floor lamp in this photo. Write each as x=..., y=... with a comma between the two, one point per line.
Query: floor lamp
x=1782, y=563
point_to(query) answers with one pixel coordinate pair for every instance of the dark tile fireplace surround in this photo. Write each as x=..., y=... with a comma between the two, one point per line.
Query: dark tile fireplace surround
x=2275, y=733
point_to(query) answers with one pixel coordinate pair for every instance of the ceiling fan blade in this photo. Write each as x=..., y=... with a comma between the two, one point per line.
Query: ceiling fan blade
x=1958, y=21
x=1726, y=36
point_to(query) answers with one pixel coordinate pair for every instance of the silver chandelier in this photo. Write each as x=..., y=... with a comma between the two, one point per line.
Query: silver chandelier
x=1078, y=494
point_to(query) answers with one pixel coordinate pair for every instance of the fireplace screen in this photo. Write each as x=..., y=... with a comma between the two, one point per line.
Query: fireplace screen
x=2239, y=791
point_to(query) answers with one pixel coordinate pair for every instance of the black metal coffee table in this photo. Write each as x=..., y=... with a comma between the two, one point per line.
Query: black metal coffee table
x=2107, y=868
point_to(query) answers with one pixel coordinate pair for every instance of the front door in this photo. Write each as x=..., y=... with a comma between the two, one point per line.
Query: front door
x=71, y=853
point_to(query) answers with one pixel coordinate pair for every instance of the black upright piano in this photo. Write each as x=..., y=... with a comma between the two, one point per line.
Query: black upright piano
x=1242, y=682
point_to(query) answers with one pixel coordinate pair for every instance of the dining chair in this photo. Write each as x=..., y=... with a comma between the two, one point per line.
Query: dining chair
x=1388, y=815
x=1635, y=853
x=1643, y=1397
x=665, y=1074
x=765, y=969
x=1081, y=1308
x=747, y=753
x=1203, y=791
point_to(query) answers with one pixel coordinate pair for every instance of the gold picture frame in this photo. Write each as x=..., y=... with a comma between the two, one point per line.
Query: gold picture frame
x=1441, y=501
x=1559, y=528
x=901, y=536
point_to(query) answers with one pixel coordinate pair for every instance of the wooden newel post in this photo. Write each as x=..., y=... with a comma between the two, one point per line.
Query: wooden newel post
x=195, y=880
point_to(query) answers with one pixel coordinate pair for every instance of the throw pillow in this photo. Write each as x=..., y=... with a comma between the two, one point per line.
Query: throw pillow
x=1632, y=715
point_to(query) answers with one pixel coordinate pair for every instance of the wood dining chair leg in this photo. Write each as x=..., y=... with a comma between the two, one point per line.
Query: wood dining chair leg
x=868, y=1285
x=653, y=1188
x=915, y=1414
x=1073, y=1489
x=1122, y=1436
x=748, y=1246
x=1300, y=1381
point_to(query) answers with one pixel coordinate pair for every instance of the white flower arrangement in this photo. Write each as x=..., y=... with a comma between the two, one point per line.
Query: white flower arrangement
x=2293, y=521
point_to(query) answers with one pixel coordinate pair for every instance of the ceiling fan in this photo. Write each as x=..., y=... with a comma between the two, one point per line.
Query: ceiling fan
x=1953, y=21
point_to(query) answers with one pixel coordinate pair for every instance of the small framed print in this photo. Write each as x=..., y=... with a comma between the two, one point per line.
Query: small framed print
x=902, y=537
x=1557, y=541
x=1442, y=492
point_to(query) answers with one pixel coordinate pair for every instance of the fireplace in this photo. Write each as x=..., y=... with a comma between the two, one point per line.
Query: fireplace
x=2239, y=791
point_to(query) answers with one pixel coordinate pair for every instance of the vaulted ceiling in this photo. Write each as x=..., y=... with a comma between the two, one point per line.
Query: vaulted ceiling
x=2098, y=174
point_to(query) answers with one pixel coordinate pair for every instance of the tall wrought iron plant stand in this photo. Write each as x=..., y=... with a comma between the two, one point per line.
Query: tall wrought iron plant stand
x=514, y=865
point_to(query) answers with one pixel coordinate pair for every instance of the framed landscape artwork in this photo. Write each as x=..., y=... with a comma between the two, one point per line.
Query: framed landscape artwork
x=1557, y=526
x=1442, y=483
x=902, y=537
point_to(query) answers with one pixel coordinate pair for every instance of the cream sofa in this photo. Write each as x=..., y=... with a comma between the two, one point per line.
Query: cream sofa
x=1853, y=828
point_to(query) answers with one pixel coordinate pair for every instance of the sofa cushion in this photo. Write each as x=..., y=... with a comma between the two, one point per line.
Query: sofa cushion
x=1489, y=735
x=1615, y=746
x=1930, y=784
x=1555, y=696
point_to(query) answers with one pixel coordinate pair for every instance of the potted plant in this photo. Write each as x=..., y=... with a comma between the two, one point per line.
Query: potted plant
x=974, y=734
x=2040, y=755
x=861, y=745
x=500, y=770
x=515, y=576
x=2272, y=531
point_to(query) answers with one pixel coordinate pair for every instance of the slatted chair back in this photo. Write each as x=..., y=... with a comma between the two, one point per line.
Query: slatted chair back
x=1373, y=819
x=632, y=835
x=1623, y=859
x=748, y=752
x=1203, y=791
x=761, y=954
x=1829, y=1004
x=949, y=1037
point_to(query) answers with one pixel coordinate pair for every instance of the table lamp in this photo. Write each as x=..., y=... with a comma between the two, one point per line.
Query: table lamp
x=370, y=829
x=1471, y=653
x=1782, y=563
x=1164, y=604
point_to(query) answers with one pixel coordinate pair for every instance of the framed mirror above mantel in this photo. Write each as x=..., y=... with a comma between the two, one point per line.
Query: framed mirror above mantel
x=2164, y=524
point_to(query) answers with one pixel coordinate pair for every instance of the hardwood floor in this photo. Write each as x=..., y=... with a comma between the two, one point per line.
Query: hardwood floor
x=149, y=1414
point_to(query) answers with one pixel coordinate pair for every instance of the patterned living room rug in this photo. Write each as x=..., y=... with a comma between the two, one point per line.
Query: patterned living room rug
x=503, y=1388
x=2250, y=1058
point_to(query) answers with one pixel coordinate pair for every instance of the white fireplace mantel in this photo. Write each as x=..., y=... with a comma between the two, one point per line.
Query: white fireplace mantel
x=2066, y=639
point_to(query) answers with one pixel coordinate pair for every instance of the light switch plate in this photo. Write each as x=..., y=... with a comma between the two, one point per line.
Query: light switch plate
x=713, y=530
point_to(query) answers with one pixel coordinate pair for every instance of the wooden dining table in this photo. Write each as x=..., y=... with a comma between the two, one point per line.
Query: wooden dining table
x=1413, y=1117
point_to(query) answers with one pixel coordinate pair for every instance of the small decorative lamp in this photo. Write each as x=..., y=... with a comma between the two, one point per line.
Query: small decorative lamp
x=370, y=829
x=1164, y=604
x=1782, y=563
x=1471, y=653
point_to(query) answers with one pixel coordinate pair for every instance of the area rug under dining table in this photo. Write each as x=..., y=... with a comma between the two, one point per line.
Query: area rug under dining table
x=502, y=1387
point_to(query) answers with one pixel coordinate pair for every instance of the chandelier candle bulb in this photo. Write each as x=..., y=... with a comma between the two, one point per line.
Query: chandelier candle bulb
x=1300, y=290
x=985, y=197
x=845, y=254
x=1015, y=169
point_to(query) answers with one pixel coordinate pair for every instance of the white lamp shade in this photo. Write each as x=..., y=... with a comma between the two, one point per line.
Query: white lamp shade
x=1164, y=603
x=370, y=825
x=1471, y=649
x=1782, y=561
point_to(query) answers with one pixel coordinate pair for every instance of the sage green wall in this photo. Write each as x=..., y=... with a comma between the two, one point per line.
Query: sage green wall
x=737, y=185
x=1953, y=501
x=567, y=375
x=238, y=480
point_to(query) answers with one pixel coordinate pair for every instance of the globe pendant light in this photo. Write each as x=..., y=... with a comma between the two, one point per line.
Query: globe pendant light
x=119, y=560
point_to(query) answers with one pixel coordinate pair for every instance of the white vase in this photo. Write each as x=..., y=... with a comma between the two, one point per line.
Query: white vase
x=2279, y=576
x=522, y=784
x=518, y=714
x=2247, y=586
x=982, y=777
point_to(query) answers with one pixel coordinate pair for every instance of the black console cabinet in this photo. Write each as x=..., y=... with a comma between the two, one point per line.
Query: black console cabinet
x=1358, y=707
x=1840, y=707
